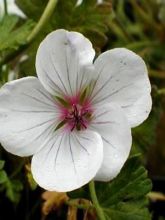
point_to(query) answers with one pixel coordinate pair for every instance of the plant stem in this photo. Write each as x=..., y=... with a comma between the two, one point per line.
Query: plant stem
x=73, y=202
x=5, y=7
x=95, y=201
x=43, y=20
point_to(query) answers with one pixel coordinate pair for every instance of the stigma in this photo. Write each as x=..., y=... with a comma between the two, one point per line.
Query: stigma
x=78, y=117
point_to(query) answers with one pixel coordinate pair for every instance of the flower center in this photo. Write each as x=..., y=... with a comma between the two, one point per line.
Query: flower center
x=78, y=117
x=75, y=113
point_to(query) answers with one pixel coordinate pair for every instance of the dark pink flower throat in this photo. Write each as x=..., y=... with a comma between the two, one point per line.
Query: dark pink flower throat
x=75, y=113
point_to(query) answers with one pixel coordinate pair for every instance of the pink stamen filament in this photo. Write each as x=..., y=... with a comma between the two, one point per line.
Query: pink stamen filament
x=77, y=117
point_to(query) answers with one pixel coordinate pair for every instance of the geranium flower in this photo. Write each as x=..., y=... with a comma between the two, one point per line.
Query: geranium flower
x=76, y=117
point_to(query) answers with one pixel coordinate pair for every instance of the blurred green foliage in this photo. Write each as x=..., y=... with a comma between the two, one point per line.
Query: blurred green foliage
x=19, y=34
x=138, y=25
x=124, y=197
x=12, y=187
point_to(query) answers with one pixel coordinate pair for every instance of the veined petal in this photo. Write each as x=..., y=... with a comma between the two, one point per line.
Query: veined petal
x=27, y=116
x=139, y=110
x=123, y=79
x=111, y=123
x=68, y=161
x=61, y=59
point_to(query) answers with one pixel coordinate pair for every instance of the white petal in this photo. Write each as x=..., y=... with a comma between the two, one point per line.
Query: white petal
x=123, y=78
x=111, y=123
x=139, y=110
x=27, y=116
x=68, y=161
x=60, y=60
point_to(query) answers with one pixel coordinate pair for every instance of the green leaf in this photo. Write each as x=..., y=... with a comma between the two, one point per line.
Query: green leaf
x=7, y=24
x=32, y=8
x=2, y=163
x=13, y=190
x=12, y=36
x=89, y=18
x=3, y=176
x=125, y=197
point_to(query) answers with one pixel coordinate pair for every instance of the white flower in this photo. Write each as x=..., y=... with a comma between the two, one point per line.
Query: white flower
x=12, y=8
x=76, y=117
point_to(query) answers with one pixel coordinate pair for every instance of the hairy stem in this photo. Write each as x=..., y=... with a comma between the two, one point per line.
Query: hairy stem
x=95, y=201
x=43, y=20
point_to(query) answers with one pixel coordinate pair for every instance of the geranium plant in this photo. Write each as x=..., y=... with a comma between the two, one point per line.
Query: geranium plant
x=76, y=126
x=76, y=117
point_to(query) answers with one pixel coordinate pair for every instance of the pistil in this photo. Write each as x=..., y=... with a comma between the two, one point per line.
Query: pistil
x=77, y=117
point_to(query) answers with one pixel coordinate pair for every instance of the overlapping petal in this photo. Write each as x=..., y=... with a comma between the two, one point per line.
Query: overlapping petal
x=28, y=116
x=61, y=59
x=68, y=161
x=115, y=90
x=111, y=123
x=122, y=78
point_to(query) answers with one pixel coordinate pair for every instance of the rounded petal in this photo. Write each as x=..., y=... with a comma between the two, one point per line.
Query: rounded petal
x=139, y=110
x=60, y=59
x=68, y=161
x=27, y=116
x=122, y=78
x=111, y=123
